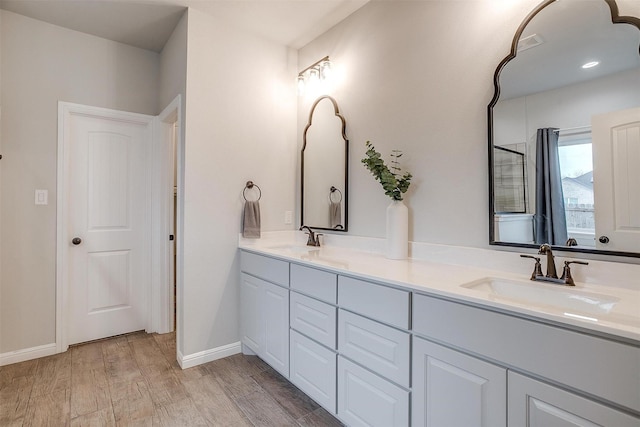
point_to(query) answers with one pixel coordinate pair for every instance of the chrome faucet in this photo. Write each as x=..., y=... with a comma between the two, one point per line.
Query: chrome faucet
x=552, y=275
x=314, y=238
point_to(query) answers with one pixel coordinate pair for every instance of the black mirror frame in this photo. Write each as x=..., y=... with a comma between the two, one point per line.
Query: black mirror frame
x=346, y=164
x=615, y=19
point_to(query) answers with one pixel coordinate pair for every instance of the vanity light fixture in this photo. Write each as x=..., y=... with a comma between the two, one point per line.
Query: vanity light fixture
x=314, y=73
x=590, y=64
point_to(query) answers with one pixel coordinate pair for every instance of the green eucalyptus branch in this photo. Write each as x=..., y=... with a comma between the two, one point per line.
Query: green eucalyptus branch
x=394, y=183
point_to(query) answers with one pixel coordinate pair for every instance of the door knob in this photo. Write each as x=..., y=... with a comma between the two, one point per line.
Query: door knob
x=603, y=239
x=76, y=241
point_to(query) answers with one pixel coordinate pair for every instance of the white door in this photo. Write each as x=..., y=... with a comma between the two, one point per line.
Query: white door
x=616, y=179
x=106, y=214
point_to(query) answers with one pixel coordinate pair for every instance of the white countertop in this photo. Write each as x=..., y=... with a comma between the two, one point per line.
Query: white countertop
x=445, y=279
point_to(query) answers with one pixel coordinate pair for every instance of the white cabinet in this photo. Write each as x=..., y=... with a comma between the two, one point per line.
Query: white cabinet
x=314, y=318
x=382, y=303
x=264, y=309
x=264, y=321
x=313, y=370
x=365, y=399
x=535, y=404
x=456, y=390
x=275, y=316
x=380, y=348
x=251, y=326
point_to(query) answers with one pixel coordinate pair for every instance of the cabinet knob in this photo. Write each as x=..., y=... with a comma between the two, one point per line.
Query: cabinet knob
x=603, y=239
x=76, y=241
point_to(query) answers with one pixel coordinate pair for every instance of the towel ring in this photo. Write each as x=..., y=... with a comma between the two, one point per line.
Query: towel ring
x=332, y=190
x=249, y=186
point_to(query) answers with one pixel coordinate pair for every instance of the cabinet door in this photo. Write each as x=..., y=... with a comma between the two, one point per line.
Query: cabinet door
x=365, y=399
x=313, y=370
x=275, y=309
x=456, y=390
x=251, y=325
x=536, y=404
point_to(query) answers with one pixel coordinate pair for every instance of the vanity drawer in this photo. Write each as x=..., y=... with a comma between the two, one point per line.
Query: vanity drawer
x=314, y=318
x=378, y=302
x=381, y=348
x=316, y=283
x=365, y=399
x=273, y=270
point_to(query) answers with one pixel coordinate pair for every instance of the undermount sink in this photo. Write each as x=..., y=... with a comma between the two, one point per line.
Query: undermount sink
x=295, y=249
x=545, y=295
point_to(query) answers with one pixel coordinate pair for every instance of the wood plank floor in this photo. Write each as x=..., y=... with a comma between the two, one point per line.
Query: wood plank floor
x=134, y=380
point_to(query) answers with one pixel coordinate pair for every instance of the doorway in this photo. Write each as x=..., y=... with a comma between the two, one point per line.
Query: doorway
x=104, y=235
x=126, y=165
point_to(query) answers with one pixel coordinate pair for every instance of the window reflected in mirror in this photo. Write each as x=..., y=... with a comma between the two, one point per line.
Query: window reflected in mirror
x=564, y=137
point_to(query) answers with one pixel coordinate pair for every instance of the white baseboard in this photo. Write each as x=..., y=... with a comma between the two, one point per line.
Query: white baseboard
x=27, y=354
x=210, y=355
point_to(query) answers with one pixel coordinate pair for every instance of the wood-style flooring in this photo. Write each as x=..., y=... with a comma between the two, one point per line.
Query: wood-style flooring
x=134, y=380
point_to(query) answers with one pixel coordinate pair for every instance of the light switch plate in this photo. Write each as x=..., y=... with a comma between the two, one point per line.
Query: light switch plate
x=288, y=217
x=42, y=197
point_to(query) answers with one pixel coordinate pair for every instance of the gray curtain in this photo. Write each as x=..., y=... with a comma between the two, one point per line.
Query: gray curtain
x=550, y=219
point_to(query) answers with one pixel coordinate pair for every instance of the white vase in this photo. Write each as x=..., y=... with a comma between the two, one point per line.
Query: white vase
x=397, y=230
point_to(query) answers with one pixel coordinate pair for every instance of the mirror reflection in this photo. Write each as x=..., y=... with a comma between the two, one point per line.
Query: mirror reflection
x=324, y=163
x=565, y=131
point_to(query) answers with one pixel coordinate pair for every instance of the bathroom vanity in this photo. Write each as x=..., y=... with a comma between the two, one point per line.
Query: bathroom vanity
x=397, y=343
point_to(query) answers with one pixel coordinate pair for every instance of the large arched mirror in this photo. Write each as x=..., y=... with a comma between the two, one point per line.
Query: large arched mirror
x=324, y=168
x=564, y=131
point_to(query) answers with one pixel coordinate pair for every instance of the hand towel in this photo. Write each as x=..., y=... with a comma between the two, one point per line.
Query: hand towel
x=335, y=214
x=251, y=219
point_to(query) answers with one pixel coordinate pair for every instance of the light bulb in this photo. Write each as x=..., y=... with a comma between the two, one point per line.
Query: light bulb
x=313, y=76
x=300, y=85
x=325, y=70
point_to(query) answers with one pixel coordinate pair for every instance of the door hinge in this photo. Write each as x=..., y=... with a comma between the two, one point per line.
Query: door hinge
x=171, y=237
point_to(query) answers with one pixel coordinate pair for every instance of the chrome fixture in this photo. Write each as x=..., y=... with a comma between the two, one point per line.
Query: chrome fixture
x=551, y=275
x=318, y=71
x=314, y=238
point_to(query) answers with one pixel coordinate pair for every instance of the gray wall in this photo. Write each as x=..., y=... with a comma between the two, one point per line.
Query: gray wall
x=418, y=76
x=42, y=64
x=240, y=126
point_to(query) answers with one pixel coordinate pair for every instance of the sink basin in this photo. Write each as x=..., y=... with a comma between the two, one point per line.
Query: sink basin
x=544, y=295
x=295, y=249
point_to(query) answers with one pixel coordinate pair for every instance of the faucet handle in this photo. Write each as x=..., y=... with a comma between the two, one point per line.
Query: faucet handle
x=537, y=268
x=318, y=238
x=566, y=272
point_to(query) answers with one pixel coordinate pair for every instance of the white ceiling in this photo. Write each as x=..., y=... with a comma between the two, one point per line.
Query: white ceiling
x=148, y=24
x=573, y=33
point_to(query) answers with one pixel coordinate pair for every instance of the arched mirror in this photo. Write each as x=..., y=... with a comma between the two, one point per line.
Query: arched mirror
x=324, y=168
x=564, y=131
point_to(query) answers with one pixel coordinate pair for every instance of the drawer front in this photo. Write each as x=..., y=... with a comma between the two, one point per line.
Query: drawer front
x=534, y=347
x=365, y=399
x=314, y=318
x=381, y=348
x=316, y=283
x=273, y=270
x=381, y=303
x=313, y=370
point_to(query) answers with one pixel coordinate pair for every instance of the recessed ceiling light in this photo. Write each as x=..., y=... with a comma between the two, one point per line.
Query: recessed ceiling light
x=590, y=64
